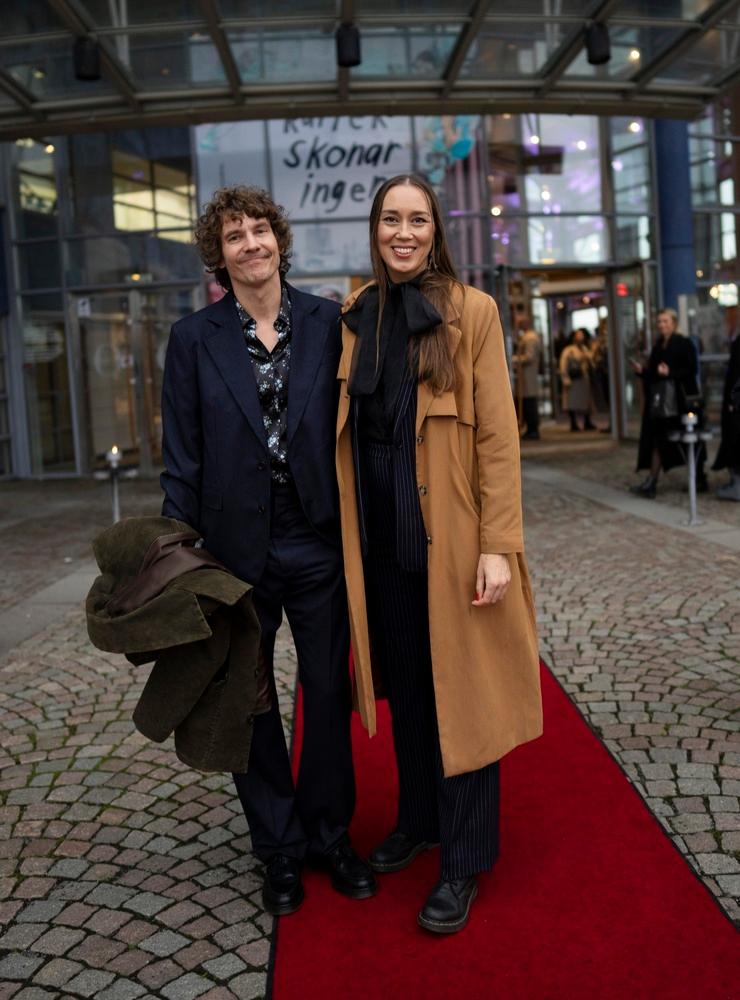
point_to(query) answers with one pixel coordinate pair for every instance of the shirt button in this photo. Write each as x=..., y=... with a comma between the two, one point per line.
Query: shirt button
x=261, y=508
x=423, y=490
x=419, y=438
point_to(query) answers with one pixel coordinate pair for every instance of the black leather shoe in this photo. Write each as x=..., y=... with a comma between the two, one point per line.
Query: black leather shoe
x=282, y=889
x=396, y=852
x=350, y=874
x=448, y=906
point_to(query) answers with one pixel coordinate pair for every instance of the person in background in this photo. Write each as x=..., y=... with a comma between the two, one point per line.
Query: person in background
x=672, y=357
x=440, y=600
x=728, y=456
x=527, y=361
x=575, y=368
x=600, y=370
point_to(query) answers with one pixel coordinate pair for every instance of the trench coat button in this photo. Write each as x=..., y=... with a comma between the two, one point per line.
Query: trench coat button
x=256, y=671
x=423, y=490
x=261, y=466
x=429, y=539
x=261, y=508
x=419, y=438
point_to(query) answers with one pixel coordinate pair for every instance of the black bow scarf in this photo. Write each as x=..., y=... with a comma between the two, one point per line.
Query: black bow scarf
x=379, y=365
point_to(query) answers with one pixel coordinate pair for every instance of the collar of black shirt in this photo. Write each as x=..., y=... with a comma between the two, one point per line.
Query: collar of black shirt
x=282, y=320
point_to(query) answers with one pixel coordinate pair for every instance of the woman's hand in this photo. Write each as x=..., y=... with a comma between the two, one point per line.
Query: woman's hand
x=492, y=579
x=637, y=368
x=663, y=369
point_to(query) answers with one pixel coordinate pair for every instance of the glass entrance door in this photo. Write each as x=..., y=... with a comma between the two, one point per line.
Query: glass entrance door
x=122, y=339
x=632, y=295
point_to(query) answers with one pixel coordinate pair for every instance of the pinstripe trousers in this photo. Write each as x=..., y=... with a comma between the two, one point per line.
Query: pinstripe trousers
x=460, y=812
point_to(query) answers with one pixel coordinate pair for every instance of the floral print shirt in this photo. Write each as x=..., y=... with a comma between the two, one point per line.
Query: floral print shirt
x=271, y=372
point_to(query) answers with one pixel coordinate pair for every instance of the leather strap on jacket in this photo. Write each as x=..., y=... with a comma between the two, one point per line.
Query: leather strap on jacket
x=168, y=557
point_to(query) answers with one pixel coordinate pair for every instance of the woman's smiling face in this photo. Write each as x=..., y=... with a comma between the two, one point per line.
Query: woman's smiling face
x=405, y=232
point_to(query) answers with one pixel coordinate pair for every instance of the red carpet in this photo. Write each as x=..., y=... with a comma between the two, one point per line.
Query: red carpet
x=588, y=901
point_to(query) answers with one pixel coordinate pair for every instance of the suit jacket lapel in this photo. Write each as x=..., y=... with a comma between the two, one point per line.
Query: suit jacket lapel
x=308, y=337
x=225, y=343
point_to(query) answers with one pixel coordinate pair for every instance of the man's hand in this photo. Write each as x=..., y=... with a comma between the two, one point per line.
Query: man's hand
x=663, y=369
x=492, y=579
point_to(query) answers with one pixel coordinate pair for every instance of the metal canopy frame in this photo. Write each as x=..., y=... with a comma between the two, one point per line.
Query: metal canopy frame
x=646, y=92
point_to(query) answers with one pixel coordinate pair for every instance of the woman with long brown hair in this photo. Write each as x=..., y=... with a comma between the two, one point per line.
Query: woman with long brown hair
x=441, y=608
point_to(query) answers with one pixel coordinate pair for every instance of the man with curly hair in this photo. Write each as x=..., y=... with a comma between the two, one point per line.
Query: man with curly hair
x=249, y=404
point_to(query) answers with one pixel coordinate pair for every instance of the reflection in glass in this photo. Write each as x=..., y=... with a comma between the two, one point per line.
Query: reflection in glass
x=284, y=57
x=46, y=69
x=39, y=265
x=715, y=239
x=34, y=187
x=632, y=48
x=27, y=17
x=420, y=53
x=127, y=259
x=544, y=163
x=47, y=391
x=150, y=196
x=513, y=49
x=715, y=51
x=170, y=60
x=120, y=13
x=278, y=8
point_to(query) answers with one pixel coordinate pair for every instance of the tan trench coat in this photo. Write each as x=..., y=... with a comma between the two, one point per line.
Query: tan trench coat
x=485, y=660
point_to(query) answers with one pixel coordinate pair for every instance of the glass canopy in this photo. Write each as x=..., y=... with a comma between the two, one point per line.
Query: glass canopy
x=190, y=61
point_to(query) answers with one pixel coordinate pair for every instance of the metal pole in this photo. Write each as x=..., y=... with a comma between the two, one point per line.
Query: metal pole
x=690, y=438
x=114, y=459
x=115, y=497
x=693, y=519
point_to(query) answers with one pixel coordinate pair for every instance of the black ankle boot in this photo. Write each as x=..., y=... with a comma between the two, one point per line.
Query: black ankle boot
x=448, y=906
x=648, y=488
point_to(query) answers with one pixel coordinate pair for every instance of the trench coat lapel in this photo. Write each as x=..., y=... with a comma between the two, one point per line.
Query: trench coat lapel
x=225, y=343
x=425, y=397
x=308, y=339
x=345, y=362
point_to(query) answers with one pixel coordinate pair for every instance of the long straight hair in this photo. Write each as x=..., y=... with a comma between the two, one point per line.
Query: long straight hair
x=436, y=365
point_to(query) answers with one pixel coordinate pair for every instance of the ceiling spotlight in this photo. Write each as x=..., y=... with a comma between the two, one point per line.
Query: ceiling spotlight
x=506, y=116
x=635, y=126
x=545, y=194
x=49, y=147
x=86, y=56
x=634, y=55
x=617, y=165
x=496, y=210
x=39, y=72
x=598, y=49
x=534, y=140
x=582, y=144
x=348, y=46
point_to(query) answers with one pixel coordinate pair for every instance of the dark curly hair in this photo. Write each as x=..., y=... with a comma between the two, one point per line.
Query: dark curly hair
x=233, y=203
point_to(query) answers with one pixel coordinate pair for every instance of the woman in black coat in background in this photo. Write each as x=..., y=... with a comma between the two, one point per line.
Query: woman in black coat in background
x=672, y=357
x=728, y=456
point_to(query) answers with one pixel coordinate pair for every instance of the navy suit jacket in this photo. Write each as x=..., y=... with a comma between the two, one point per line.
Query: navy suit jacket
x=217, y=464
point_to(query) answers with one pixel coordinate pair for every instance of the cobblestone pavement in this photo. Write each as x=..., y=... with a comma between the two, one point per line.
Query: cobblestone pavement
x=124, y=874
x=45, y=530
x=591, y=456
